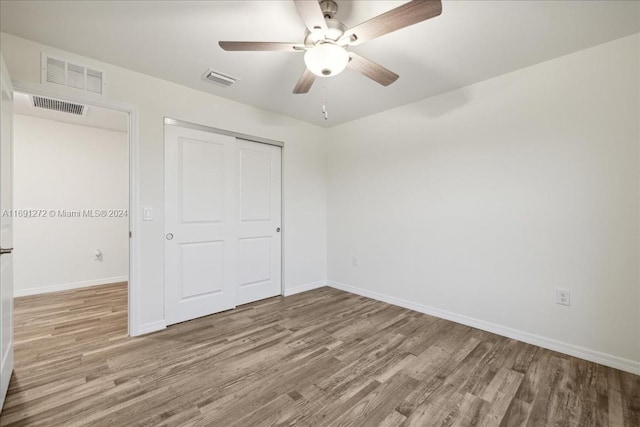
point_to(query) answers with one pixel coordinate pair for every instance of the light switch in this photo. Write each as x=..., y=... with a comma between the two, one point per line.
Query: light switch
x=147, y=214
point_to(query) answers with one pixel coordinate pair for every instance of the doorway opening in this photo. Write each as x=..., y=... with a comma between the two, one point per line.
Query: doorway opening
x=71, y=216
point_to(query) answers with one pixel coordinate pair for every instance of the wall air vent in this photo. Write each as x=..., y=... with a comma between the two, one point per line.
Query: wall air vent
x=61, y=106
x=56, y=71
x=219, y=78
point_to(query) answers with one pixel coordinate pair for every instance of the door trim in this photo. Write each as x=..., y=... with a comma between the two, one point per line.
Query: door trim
x=189, y=125
x=7, y=366
x=135, y=212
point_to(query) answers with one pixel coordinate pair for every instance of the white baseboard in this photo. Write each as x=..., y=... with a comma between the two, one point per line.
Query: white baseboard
x=610, y=360
x=304, y=288
x=68, y=286
x=147, y=328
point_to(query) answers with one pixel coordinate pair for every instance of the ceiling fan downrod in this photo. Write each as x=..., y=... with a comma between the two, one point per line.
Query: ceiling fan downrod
x=329, y=8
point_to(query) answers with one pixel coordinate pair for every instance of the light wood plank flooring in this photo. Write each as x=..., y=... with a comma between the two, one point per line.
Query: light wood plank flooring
x=320, y=358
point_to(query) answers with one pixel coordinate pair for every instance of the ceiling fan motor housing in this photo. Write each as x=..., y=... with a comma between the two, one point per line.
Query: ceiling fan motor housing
x=335, y=30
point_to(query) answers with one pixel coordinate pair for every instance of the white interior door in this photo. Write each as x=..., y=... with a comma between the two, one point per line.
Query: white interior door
x=259, y=241
x=200, y=225
x=6, y=233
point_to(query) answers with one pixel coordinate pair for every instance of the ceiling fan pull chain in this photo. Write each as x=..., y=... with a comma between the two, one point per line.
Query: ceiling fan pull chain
x=324, y=105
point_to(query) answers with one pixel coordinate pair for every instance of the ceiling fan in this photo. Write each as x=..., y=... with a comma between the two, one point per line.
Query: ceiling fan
x=327, y=40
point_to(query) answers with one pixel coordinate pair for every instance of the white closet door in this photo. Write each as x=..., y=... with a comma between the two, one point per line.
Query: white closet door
x=259, y=236
x=201, y=242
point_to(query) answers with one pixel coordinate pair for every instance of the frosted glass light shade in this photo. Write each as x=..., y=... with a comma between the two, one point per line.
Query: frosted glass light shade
x=326, y=59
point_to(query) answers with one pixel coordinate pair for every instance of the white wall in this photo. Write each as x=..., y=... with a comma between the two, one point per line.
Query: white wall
x=477, y=204
x=304, y=165
x=68, y=167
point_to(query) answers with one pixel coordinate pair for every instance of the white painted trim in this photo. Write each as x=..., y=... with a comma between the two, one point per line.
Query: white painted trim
x=135, y=223
x=135, y=215
x=6, y=359
x=548, y=343
x=68, y=286
x=236, y=135
x=7, y=364
x=304, y=288
x=147, y=328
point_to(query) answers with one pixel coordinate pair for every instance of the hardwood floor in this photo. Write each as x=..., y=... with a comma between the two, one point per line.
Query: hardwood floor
x=324, y=357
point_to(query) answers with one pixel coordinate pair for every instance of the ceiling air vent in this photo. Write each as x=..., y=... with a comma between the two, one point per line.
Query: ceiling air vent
x=60, y=72
x=219, y=78
x=61, y=106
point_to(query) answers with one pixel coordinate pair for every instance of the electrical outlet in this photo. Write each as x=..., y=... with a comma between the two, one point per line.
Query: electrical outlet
x=563, y=297
x=354, y=261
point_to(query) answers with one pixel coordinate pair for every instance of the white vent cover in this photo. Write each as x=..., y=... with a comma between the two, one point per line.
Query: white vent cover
x=219, y=78
x=59, y=72
x=61, y=106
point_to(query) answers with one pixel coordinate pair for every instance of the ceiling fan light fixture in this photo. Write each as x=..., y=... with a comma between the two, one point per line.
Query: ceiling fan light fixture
x=326, y=59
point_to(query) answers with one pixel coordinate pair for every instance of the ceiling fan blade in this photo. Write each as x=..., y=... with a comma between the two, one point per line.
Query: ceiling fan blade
x=311, y=14
x=262, y=46
x=403, y=16
x=305, y=82
x=372, y=70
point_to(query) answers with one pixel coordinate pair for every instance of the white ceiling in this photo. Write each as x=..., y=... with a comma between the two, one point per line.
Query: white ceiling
x=95, y=117
x=178, y=40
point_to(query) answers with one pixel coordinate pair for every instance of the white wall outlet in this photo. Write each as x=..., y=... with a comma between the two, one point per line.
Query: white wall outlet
x=563, y=297
x=354, y=261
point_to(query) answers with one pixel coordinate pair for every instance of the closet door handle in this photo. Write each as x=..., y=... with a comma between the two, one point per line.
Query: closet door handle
x=5, y=251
